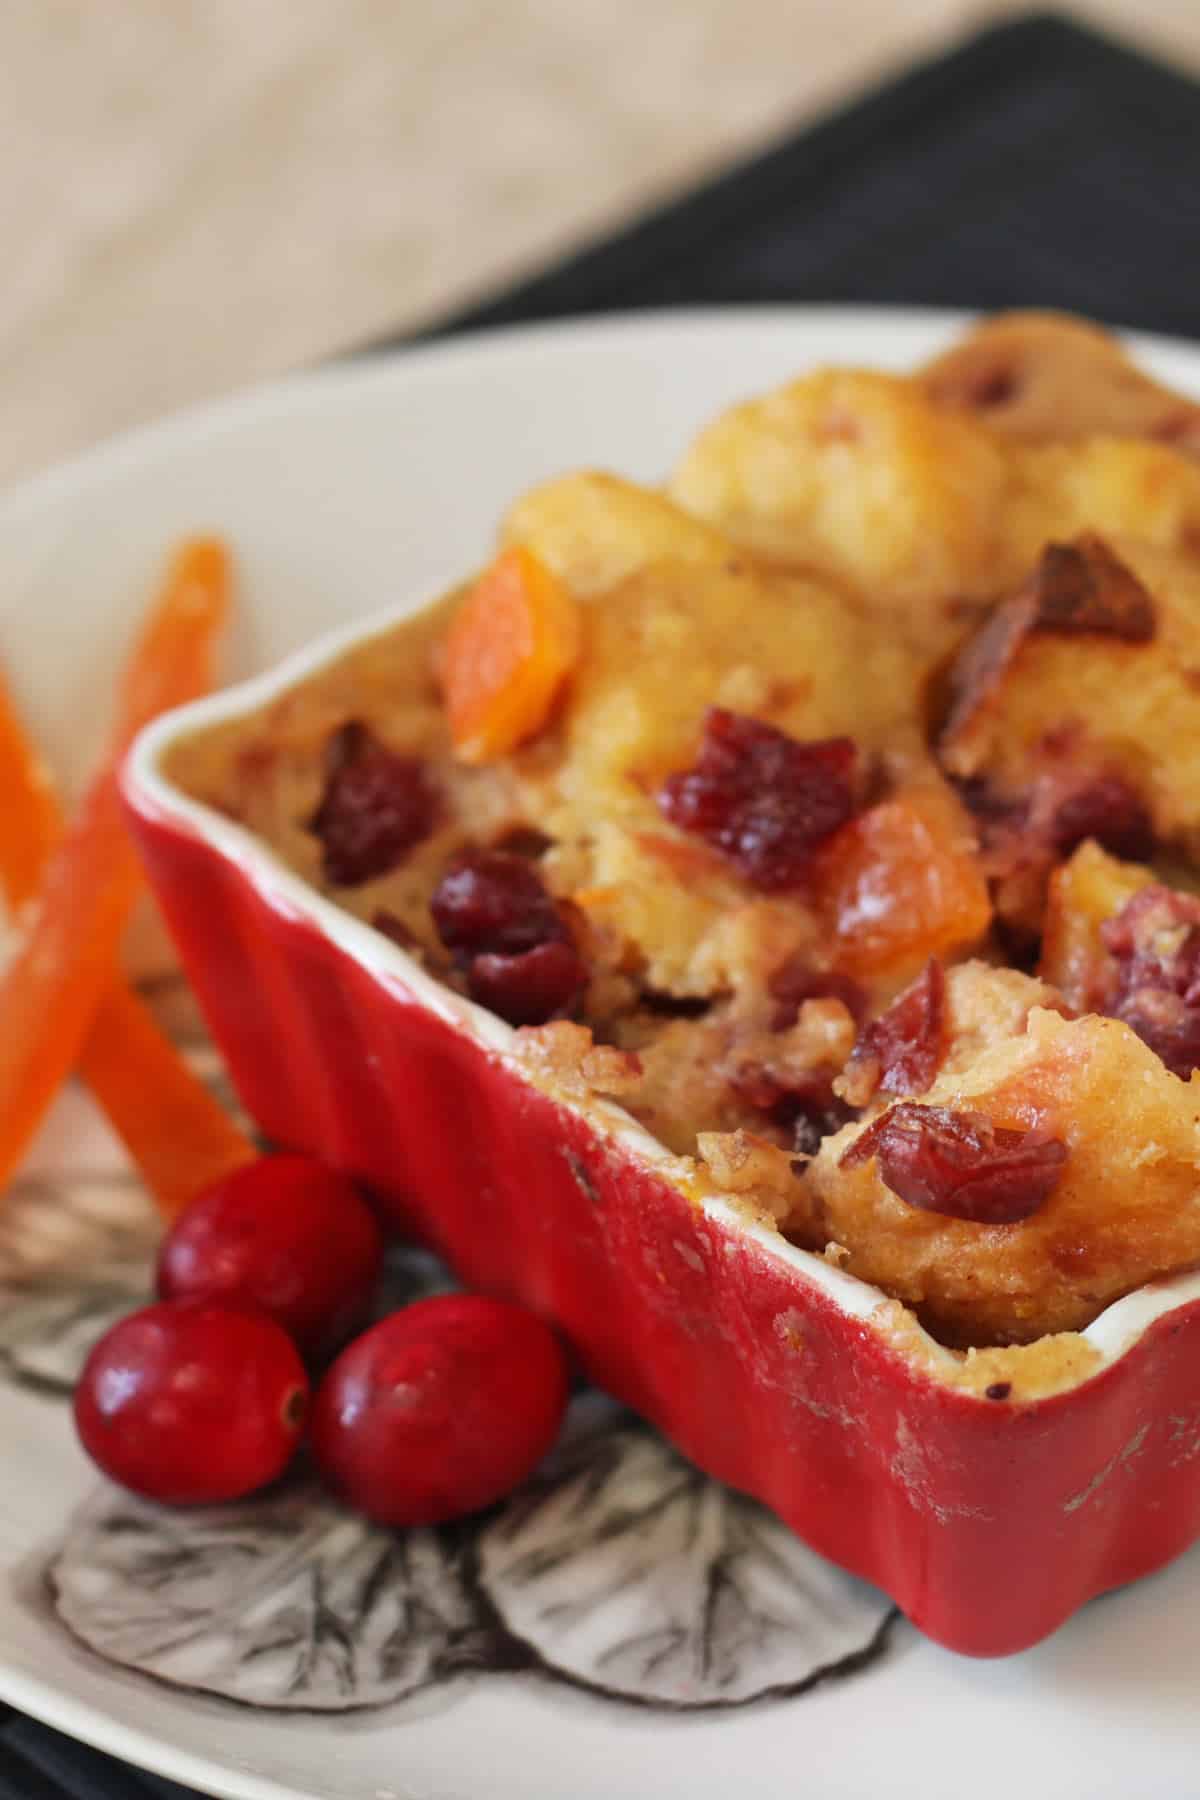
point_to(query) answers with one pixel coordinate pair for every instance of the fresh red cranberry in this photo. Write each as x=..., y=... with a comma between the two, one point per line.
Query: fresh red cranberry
x=283, y=1234
x=377, y=805
x=902, y=1049
x=761, y=797
x=491, y=908
x=960, y=1163
x=192, y=1402
x=440, y=1409
x=1155, y=944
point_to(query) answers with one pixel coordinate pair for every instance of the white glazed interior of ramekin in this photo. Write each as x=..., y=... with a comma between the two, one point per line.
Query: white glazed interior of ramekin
x=1111, y=1334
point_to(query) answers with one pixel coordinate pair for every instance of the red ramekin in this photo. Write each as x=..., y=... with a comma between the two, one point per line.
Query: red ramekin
x=989, y=1522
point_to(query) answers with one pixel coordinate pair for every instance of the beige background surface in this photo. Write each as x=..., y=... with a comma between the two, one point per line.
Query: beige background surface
x=198, y=193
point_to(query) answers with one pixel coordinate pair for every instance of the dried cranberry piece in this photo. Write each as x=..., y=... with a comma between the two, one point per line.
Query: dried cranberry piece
x=1167, y=1024
x=906, y=1044
x=759, y=1086
x=1022, y=837
x=796, y=981
x=393, y=927
x=1107, y=808
x=1061, y=808
x=531, y=987
x=761, y=797
x=492, y=910
x=376, y=806
x=1157, y=934
x=494, y=901
x=960, y=1163
x=1155, y=943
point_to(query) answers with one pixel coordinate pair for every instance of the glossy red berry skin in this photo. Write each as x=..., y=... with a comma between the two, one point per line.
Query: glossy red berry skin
x=192, y=1403
x=285, y=1235
x=440, y=1409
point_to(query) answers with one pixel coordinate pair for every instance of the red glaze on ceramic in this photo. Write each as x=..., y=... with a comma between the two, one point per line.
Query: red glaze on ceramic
x=990, y=1523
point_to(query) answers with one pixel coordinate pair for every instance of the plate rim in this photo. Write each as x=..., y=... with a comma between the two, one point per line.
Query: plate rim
x=364, y=369
x=88, y=1724
x=365, y=366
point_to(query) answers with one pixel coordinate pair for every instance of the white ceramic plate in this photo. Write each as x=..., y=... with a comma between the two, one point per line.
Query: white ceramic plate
x=341, y=491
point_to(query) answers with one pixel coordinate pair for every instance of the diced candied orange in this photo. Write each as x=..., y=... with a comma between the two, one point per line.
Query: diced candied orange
x=513, y=642
x=901, y=883
x=1088, y=889
x=599, y=897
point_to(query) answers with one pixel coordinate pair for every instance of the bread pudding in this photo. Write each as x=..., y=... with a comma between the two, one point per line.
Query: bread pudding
x=835, y=808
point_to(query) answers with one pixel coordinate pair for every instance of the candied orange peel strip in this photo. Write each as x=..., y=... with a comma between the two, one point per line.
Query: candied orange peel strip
x=180, y=1136
x=52, y=991
x=30, y=816
x=512, y=644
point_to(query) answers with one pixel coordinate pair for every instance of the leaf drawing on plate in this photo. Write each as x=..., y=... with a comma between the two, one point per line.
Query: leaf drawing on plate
x=46, y=1334
x=76, y=1252
x=628, y=1570
x=619, y=1568
x=78, y=1232
x=287, y=1601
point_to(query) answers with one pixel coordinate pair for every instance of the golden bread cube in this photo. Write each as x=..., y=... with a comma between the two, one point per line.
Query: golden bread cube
x=1125, y=1208
x=858, y=475
x=1046, y=376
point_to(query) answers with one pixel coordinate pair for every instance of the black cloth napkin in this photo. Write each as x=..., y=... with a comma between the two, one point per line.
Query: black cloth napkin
x=1035, y=164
